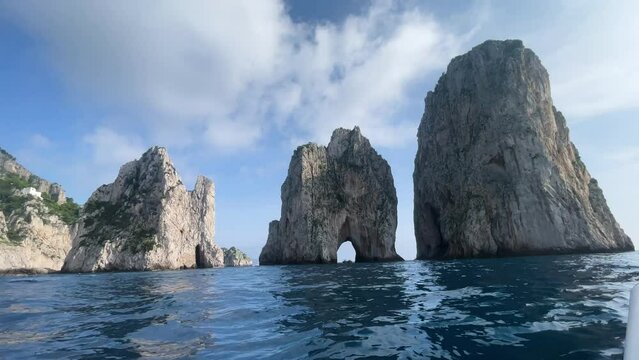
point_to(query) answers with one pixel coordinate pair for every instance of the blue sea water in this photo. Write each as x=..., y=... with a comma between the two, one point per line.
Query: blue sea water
x=548, y=307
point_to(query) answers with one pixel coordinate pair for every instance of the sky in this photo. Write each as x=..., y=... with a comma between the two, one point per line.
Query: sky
x=231, y=88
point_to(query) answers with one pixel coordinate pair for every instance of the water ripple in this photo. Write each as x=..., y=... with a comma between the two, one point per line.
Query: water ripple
x=571, y=307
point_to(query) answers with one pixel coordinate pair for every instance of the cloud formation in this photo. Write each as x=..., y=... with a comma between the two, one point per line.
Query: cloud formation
x=595, y=82
x=40, y=141
x=225, y=73
x=112, y=149
x=590, y=51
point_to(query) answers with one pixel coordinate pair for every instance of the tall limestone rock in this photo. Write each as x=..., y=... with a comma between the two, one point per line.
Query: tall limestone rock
x=35, y=229
x=147, y=220
x=496, y=173
x=343, y=192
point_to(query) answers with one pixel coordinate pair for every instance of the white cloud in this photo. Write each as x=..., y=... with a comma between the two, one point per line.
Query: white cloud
x=223, y=73
x=591, y=52
x=628, y=156
x=359, y=73
x=230, y=135
x=40, y=141
x=111, y=148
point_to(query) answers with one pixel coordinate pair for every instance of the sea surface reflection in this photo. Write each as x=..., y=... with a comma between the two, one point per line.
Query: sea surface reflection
x=569, y=307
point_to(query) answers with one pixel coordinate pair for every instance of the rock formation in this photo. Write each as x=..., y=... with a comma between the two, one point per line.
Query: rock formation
x=35, y=231
x=9, y=164
x=235, y=257
x=496, y=173
x=343, y=192
x=147, y=220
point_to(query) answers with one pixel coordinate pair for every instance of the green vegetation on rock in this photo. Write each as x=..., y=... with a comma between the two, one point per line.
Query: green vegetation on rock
x=104, y=219
x=5, y=153
x=142, y=240
x=68, y=212
x=236, y=253
x=14, y=236
x=10, y=198
x=106, y=213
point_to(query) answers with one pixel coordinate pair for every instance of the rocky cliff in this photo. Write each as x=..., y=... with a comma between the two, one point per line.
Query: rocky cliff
x=343, y=192
x=9, y=165
x=35, y=230
x=147, y=220
x=235, y=257
x=496, y=173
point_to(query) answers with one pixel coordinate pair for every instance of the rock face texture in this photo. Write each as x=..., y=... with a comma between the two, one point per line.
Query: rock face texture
x=35, y=232
x=343, y=192
x=235, y=257
x=43, y=241
x=496, y=173
x=147, y=220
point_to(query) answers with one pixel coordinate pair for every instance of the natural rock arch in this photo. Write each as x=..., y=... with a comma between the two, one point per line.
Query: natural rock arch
x=361, y=244
x=345, y=235
x=343, y=192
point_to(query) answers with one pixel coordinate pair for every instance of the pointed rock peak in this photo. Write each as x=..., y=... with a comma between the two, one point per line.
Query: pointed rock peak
x=157, y=153
x=160, y=150
x=154, y=168
x=341, y=134
x=343, y=139
x=204, y=184
x=154, y=155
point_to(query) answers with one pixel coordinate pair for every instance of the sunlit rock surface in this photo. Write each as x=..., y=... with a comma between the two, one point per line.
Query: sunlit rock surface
x=496, y=173
x=147, y=220
x=343, y=192
x=35, y=230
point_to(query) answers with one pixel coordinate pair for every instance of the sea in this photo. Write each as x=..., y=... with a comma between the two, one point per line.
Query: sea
x=545, y=307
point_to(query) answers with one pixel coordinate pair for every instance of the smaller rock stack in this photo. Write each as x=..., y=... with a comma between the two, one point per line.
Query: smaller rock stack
x=235, y=257
x=343, y=192
x=147, y=220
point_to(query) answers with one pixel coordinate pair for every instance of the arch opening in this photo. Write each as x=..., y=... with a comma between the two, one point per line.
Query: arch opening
x=346, y=252
x=351, y=251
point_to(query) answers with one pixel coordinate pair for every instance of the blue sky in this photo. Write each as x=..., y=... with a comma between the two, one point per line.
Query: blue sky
x=231, y=88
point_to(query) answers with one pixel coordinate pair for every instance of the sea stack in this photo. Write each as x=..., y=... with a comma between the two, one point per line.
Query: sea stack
x=37, y=221
x=147, y=220
x=496, y=173
x=235, y=257
x=343, y=192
